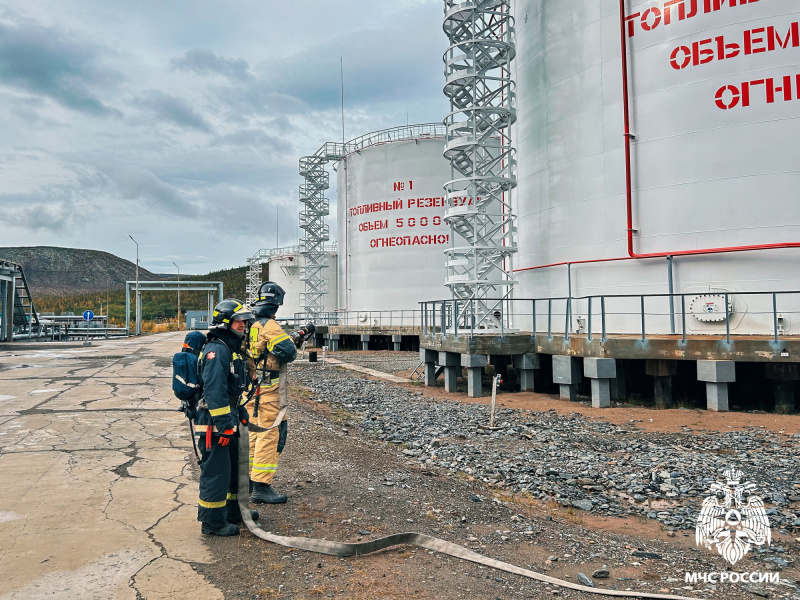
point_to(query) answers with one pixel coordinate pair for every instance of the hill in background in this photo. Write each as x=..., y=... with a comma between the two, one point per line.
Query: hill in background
x=73, y=280
x=53, y=271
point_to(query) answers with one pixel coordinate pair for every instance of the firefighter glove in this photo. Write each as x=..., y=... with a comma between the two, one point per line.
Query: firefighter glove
x=225, y=437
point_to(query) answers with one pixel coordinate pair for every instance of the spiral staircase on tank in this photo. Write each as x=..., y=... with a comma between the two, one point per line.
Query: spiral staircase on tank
x=483, y=163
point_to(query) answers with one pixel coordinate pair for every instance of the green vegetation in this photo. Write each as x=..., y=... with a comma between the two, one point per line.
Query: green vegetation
x=157, y=307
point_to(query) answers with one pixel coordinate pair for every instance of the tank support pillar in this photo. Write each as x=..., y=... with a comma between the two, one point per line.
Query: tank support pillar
x=619, y=385
x=717, y=374
x=601, y=371
x=567, y=373
x=333, y=341
x=526, y=365
x=365, y=342
x=396, y=341
x=474, y=364
x=662, y=372
x=451, y=361
x=429, y=357
x=784, y=376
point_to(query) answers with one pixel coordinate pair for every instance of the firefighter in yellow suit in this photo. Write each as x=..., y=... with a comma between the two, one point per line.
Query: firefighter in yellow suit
x=270, y=347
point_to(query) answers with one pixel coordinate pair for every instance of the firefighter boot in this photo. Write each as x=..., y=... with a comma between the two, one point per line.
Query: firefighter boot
x=264, y=494
x=227, y=530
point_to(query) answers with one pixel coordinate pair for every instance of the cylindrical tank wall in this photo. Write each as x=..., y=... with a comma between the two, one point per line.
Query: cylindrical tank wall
x=715, y=110
x=286, y=269
x=392, y=233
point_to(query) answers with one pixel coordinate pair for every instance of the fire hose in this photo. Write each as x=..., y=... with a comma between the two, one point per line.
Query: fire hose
x=417, y=539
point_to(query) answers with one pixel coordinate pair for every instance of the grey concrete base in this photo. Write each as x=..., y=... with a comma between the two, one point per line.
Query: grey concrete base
x=567, y=370
x=396, y=346
x=662, y=391
x=430, y=373
x=569, y=392
x=601, y=393
x=365, y=342
x=474, y=382
x=527, y=380
x=526, y=361
x=334, y=345
x=451, y=378
x=717, y=397
x=716, y=371
x=600, y=368
x=784, y=397
x=397, y=340
x=474, y=360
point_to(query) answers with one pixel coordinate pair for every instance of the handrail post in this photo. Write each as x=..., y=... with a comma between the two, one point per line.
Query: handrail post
x=775, y=314
x=589, y=319
x=567, y=319
x=642, y=309
x=549, y=318
x=603, y=315
x=533, y=302
x=455, y=319
x=444, y=319
x=683, y=316
x=727, y=321
x=472, y=317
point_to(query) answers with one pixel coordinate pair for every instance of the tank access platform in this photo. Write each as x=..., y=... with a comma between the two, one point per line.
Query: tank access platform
x=563, y=360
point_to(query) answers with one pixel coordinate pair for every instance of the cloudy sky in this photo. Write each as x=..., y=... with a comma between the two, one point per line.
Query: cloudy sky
x=181, y=122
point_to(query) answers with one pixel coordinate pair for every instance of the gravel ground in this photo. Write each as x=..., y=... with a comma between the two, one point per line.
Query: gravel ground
x=386, y=362
x=560, y=494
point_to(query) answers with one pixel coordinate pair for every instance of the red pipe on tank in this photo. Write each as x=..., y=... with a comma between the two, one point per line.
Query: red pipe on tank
x=629, y=186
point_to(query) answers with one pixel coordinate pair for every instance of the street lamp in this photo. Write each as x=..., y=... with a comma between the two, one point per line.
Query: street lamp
x=179, y=295
x=138, y=305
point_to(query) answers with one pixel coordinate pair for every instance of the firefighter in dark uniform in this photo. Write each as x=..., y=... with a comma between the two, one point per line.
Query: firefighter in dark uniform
x=270, y=346
x=223, y=372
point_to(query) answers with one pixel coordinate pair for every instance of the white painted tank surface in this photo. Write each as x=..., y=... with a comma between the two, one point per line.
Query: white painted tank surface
x=714, y=118
x=286, y=269
x=391, y=228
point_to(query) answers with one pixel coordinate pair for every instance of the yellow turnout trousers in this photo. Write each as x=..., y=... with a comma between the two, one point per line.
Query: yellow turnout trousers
x=264, y=446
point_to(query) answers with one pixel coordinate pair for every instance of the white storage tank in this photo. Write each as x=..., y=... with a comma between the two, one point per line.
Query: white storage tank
x=286, y=269
x=714, y=119
x=391, y=229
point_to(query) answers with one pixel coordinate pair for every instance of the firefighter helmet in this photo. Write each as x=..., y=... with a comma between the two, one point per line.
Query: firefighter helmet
x=270, y=297
x=228, y=311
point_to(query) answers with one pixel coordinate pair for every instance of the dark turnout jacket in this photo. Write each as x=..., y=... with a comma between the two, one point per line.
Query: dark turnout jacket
x=223, y=371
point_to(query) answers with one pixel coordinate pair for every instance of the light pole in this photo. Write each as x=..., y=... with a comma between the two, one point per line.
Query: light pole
x=179, y=295
x=138, y=307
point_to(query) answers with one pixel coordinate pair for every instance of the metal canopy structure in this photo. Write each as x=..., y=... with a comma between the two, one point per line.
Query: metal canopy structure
x=483, y=163
x=167, y=286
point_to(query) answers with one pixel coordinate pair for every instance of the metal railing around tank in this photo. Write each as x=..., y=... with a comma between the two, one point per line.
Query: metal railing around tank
x=642, y=315
x=367, y=319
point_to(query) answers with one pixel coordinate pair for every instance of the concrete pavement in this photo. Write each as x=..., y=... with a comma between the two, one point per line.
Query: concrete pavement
x=96, y=494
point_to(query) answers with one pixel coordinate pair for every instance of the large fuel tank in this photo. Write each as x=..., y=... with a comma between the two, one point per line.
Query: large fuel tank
x=286, y=269
x=714, y=119
x=391, y=229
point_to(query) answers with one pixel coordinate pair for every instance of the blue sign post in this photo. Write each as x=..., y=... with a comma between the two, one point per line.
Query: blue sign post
x=87, y=316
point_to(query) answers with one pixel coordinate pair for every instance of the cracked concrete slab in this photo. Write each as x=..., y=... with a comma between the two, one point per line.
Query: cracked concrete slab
x=166, y=579
x=97, y=472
